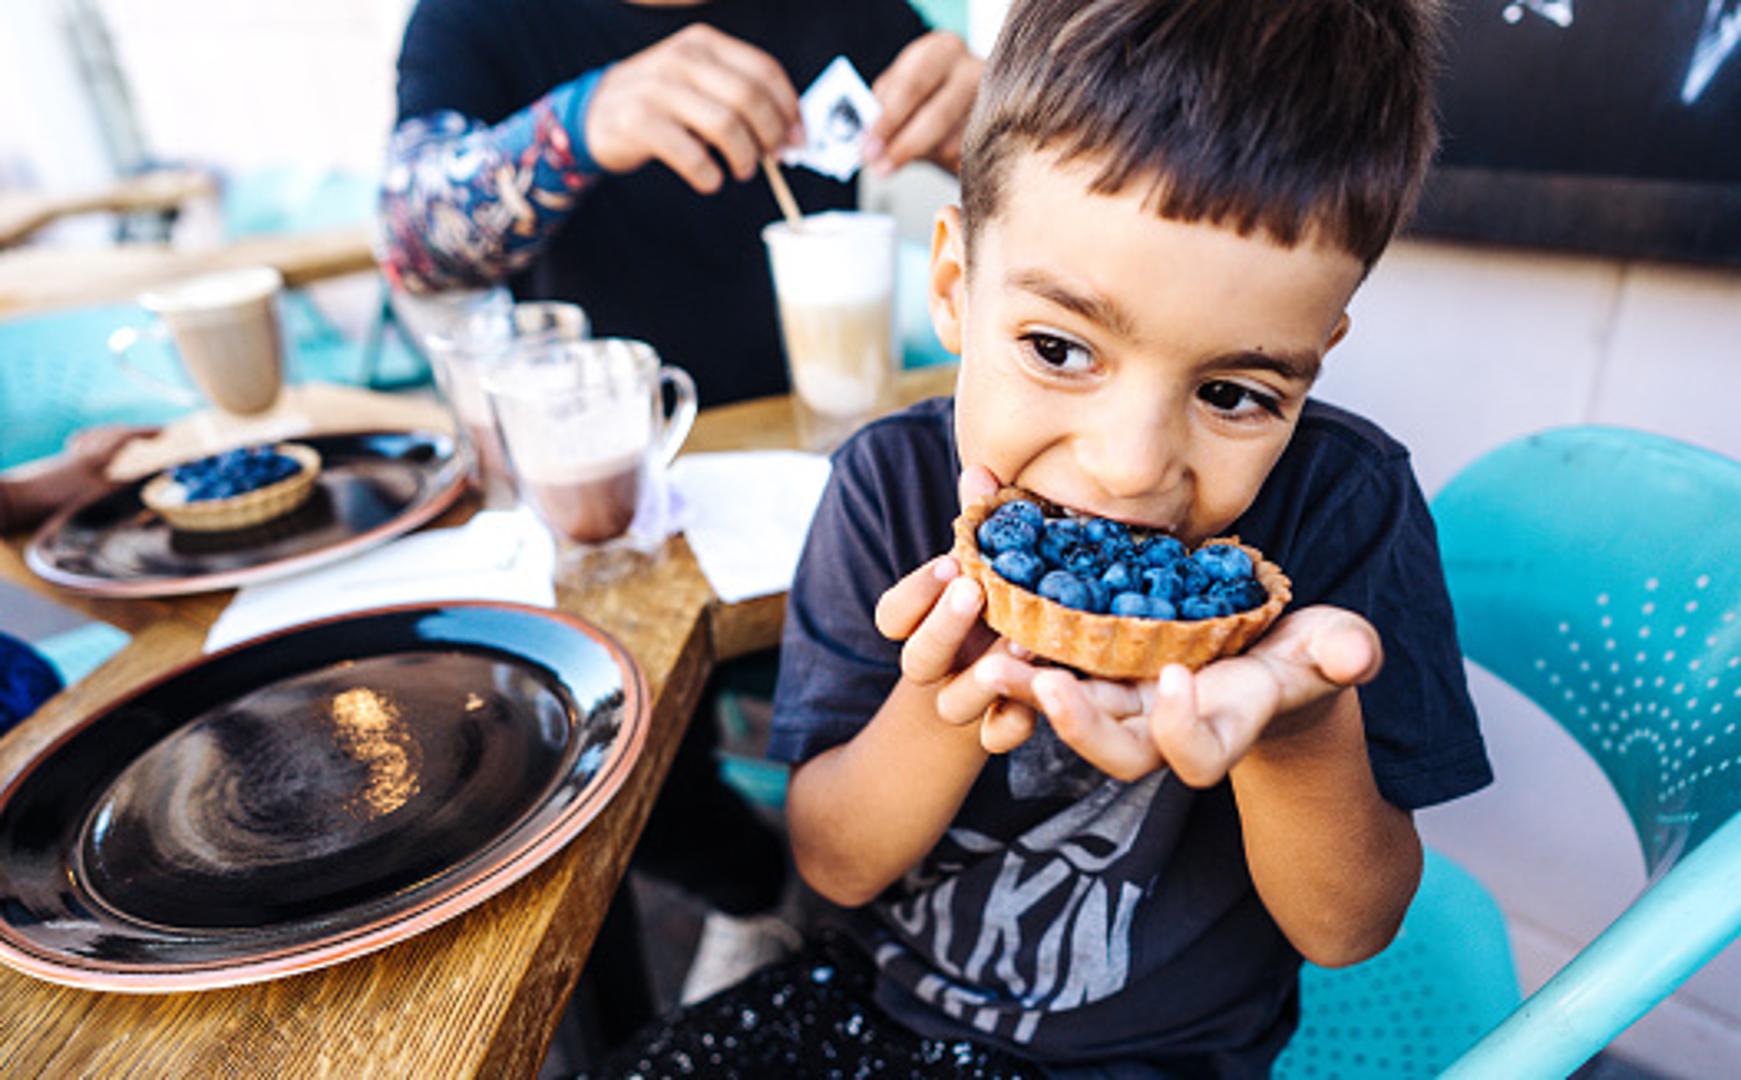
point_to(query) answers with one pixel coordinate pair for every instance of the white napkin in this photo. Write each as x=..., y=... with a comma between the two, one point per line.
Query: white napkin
x=497, y=555
x=748, y=516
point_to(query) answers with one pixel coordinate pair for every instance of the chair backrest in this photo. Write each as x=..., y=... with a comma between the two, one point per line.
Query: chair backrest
x=57, y=376
x=1598, y=571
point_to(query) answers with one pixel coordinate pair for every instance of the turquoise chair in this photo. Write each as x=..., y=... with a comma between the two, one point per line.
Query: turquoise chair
x=1595, y=570
x=57, y=376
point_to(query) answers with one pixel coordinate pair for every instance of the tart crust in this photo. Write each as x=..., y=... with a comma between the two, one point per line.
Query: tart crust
x=242, y=511
x=1110, y=646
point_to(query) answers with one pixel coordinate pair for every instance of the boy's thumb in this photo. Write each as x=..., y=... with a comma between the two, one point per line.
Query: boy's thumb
x=977, y=482
x=1346, y=649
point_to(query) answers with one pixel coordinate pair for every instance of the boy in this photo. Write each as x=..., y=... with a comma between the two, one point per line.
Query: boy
x=1167, y=205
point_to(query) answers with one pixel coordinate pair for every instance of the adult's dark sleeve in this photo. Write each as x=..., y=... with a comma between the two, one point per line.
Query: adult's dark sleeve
x=1374, y=551
x=451, y=59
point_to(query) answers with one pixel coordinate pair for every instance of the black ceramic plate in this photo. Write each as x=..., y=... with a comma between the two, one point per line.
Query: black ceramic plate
x=305, y=798
x=372, y=487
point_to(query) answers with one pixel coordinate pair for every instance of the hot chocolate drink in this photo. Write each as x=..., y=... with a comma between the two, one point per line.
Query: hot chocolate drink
x=589, y=504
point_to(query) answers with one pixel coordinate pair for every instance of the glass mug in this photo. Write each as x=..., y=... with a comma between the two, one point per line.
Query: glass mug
x=478, y=331
x=226, y=330
x=587, y=436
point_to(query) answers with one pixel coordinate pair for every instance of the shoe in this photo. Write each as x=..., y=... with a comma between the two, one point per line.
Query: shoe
x=732, y=948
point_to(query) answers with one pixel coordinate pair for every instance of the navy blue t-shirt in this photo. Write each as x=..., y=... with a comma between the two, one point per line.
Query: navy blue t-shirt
x=644, y=254
x=1068, y=916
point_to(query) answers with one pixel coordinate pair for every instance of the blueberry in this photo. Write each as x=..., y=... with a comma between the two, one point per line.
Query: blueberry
x=1162, y=609
x=1161, y=551
x=1241, y=595
x=1061, y=536
x=1117, y=549
x=1099, y=596
x=1122, y=577
x=1203, y=607
x=1063, y=587
x=1223, y=562
x=999, y=535
x=1019, y=567
x=1101, y=530
x=1067, y=547
x=1131, y=605
x=1193, y=579
x=1021, y=510
x=1176, y=580
x=1162, y=583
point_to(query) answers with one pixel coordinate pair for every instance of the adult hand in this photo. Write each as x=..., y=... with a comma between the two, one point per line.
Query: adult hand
x=682, y=100
x=926, y=95
x=976, y=677
x=1201, y=725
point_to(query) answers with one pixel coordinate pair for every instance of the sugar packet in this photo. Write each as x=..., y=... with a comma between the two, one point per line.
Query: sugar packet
x=838, y=111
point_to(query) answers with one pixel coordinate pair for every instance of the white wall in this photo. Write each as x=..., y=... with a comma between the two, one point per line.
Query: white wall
x=245, y=84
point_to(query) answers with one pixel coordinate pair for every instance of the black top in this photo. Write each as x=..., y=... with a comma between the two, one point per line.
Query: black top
x=1072, y=917
x=644, y=254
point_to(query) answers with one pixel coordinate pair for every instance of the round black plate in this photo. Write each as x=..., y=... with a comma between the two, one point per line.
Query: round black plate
x=372, y=487
x=304, y=798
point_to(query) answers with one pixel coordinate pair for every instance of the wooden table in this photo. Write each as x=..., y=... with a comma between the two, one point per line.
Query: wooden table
x=477, y=996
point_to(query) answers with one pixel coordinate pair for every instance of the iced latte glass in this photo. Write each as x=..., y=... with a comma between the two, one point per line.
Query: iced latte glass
x=834, y=277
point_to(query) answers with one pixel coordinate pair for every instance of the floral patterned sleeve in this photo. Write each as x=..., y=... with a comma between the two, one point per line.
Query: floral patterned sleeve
x=466, y=204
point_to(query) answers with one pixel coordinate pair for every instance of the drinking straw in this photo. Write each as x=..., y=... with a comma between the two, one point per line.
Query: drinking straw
x=782, y=193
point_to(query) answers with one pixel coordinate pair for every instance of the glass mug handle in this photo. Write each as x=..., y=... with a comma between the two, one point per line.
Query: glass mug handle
x=121, y=344
x=676, y=426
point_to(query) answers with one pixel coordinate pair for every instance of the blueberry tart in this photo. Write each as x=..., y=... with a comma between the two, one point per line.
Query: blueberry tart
x=1110, y=599
x=237, y=489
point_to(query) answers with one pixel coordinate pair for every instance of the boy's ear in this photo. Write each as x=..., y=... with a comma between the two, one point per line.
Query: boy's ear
x=948, y=278
x=1339, y=333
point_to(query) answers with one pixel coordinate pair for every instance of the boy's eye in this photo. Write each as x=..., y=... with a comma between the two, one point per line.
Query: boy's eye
x=1057, y=352
x=1237, y=399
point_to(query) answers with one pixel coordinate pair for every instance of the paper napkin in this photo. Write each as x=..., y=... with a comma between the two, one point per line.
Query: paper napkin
x=748, y=516
x=498, y=555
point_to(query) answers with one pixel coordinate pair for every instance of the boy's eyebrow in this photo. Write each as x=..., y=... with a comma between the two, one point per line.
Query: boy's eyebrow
x=1090, y=306
x=1299, y=366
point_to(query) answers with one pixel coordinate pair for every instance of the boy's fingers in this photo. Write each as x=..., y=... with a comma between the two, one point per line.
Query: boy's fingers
x=904, y=606
x=930, y=653
x=1119, y=750
x=976, y=482
x=1007, y=725
x=1346, y=649
x=1192, y=748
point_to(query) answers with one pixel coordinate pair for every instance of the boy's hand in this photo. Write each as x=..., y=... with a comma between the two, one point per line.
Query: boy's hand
x=926, y=95
x=683, y=99
x=1202, y=725
x=935, y=611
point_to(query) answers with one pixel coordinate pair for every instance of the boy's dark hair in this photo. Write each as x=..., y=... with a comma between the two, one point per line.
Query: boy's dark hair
x=1283, y=115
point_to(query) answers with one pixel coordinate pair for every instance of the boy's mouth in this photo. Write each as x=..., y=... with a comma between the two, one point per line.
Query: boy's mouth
x=1146, y=523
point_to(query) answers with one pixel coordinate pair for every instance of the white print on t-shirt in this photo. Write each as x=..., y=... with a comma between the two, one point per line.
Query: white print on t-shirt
x=1082, y=945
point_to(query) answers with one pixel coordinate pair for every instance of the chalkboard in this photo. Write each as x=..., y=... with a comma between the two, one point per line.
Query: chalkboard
x=1602, y=126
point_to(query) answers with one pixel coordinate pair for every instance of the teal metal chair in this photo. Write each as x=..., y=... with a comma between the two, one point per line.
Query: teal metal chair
x=1595, y=570
x=57, y=376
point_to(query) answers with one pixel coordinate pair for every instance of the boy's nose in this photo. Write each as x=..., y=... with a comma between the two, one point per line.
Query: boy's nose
x=1136, y=453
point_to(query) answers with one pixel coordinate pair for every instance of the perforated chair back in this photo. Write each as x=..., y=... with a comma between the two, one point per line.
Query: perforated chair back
x=1598, y=571
x=57, y=376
